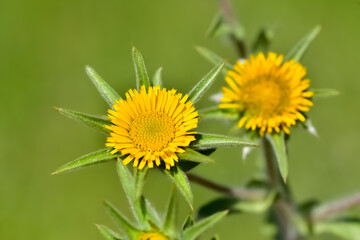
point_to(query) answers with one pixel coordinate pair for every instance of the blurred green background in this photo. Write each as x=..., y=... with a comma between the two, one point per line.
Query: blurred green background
x=44, y=46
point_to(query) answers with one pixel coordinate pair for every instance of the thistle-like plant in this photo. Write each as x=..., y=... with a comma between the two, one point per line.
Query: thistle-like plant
x=153, y=126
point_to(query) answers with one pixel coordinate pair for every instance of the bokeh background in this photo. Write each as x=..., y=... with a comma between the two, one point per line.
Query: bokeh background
x=44, y=46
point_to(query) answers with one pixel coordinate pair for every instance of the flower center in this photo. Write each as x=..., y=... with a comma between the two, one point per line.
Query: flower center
x=265, y=96
x=152, y=131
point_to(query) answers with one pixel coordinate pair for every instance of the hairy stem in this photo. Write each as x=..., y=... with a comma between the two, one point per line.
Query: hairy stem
x=237, y=192
x=232, y=21
x=283, y=207
x=330, y=209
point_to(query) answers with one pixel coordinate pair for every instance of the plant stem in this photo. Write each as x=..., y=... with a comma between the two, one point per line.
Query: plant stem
x=328, y=210
x=232, y=21
x=283, y=207
x=237, y=192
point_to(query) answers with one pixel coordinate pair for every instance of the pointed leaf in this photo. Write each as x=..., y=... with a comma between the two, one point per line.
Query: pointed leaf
x=99, y=156
x=213, y=57
x=218, y=205
x=344, y=229
x=210, y=141
x=157, y=79
x=182, y=183
x=217, y=113
x=140, y=175
x=108, y=233
x=278, y=144
x=142, y=77
x=95, y=122
x=194, y=156
x=106, y=91
x=256, y=206
x=188, y=222
x=263, y=40
x=300, y=48
x=128, y=183
x=199, y=227
x=201, y=87
x=169, y=223
x=324, y=93
x=214, y=25
x=151, y=213
x=123, y=222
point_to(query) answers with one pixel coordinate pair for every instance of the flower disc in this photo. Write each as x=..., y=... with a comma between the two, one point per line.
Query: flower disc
x=152, y=126
x=268, y=94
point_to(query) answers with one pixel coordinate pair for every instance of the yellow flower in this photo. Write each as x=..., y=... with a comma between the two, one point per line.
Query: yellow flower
x=152, y=236
x=150, y=126
x=268, y=93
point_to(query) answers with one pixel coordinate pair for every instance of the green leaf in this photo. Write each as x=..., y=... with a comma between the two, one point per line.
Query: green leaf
x=157, y=79
x=199, y=227
x=210, y=141
x=213, y=57
x=107, y=92
x=217, y=113
x=256, y=206
x=99, y=156
x=346, y=229
x=189, y=221
x=128, y=183
x=142, y=77
x=324, y=93
x=201, y=87
x=151, y=213
x=108, y=233
x=123, y=222
x=218, y=205
x=170, y=217
x=95, y=122
x=214, y=25
x=300, y=48
x=263, y=40
x=182, y=183
x=278, y=144
x=140, y=175
x=194, y=156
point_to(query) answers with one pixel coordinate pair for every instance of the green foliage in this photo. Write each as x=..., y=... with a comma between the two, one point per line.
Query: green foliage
x=157, y=79
x=194, y=156
x=142, y=77
x=213, y=57
x=170, y=224
x=94, y=122
x=106, y=91
x=108, y=233
x=343, y=228
x=204, y=84
x=300, y=48
x=209, y=141
x=99, y=156
x=182, y=182
x=277, y=141
x=324, y=93
x=263, y=40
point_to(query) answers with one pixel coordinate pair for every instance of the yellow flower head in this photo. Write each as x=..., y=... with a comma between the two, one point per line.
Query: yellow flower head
x=150, y=126
x=268, y=93
x=152, y=236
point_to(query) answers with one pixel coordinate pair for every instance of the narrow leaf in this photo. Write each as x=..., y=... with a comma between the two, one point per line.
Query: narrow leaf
x=106, y=91
x=95, y=122
x=263, y=40
x=169, y=223
x=278, y=144
x=142, y=77
x=182, y=183
x=199, y=227
x=300, y=48
x=151, y=213
x=218, y=205
x=201, y=87
x=108, y=233
x=349, y=229
x=217, y=113
x=189, y=221
x=324, y=93
x=139, y=181
x=256, y=206
x=123, y=222
x=100, y=156
x=213, y=57
x=157, y=79
x=194, y=156
x=210, y=141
